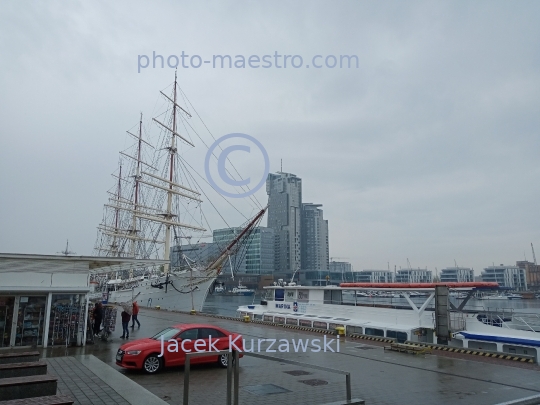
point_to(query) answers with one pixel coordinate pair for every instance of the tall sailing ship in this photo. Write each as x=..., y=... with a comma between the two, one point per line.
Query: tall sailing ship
x=155, y=203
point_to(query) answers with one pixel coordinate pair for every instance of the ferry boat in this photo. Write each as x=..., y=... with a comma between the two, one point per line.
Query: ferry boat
x=325, y=308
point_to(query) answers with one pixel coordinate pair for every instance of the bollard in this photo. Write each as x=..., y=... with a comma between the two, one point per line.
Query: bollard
x=340, y=330
x=247, y=318
x=158, y=307
x=192, y=312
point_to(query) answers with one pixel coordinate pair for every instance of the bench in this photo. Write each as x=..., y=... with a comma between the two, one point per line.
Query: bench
x=48, y=400
x=23, y=369
x=407, y=348
x=18, y=357
x=27, y=387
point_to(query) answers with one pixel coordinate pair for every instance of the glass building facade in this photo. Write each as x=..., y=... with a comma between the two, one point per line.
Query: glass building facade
x=511, y=277
x=284, y=217
x=457, y=275
x=200, y=253
x=314, y=238
x=256, y=255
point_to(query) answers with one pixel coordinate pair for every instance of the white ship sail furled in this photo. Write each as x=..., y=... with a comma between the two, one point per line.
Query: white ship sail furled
x=156, y=200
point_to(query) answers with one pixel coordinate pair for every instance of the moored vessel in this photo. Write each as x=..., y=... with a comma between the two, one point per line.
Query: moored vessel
x=240, y=290
x=325, y=308
x=156, y=203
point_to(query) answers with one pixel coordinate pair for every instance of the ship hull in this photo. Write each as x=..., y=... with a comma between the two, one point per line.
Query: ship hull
x=181, y=295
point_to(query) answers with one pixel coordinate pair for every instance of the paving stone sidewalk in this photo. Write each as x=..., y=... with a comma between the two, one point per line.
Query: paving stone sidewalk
x=379, y=377
x=84, y=386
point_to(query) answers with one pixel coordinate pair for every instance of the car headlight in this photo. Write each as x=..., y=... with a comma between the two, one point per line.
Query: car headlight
x=133, y=352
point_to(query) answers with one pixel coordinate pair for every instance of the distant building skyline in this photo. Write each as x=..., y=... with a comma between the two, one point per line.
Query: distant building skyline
x=507, y=276
x=255, y=256
x=198, y=252
x=374, y=276
x=414, y=276
x=456, y=275
x=532, y=272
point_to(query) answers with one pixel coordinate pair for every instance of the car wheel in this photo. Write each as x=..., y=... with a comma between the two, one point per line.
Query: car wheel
x=152, y=364
x=223, y=360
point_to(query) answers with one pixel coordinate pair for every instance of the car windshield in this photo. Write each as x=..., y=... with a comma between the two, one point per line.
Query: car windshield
x=166, y=333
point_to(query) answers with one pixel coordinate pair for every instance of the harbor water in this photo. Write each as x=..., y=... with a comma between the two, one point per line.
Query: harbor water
x=227, y=305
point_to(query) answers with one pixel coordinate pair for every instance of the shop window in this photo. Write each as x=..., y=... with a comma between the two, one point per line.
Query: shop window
x=66, y=319
x=6, y=319
x=30, y=321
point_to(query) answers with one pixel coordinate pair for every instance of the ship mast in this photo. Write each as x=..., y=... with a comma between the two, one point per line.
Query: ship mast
x=146, y=175
x=168, y=214
x=114, y=244
x=136, y=196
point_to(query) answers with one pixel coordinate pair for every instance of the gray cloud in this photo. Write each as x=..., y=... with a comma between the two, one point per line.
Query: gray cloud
x=428, y=150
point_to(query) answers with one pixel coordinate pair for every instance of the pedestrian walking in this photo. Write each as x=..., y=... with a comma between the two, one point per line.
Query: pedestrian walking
x=126, y=317
x=98, y=318
x=134, y=318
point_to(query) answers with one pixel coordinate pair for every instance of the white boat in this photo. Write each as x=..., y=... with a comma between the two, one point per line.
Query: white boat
x=157, y=202
x=218, y=289
x=242, y=290
x=239, y=291
x=498, y=297
x=514, y=296
x=324, y=308
x=458, y=295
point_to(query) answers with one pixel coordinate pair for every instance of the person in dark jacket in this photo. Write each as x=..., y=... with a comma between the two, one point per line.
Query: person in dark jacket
x=125, y=324
x=98, y=318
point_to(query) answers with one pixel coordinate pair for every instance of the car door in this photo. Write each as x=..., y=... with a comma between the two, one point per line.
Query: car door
x=186, y=341
x=213, y=340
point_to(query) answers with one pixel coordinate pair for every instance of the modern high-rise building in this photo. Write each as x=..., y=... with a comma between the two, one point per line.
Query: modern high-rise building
x=507, y=276
x=314, y=247
x=256, y=255
x=457, y=275
x=284, y=217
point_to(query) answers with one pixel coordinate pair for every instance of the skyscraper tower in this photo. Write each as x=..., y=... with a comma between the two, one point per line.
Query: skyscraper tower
x=314, y=238
x=284, y=216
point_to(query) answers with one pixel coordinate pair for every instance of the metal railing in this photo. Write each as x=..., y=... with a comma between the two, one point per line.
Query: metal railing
x=528, y=321
x=233, y=366
x=232, y=358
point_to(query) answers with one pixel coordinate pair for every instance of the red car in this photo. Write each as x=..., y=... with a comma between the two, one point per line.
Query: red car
x=169, y=347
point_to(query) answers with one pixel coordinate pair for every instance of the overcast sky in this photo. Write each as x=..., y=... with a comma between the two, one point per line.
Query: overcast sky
x=428, y=150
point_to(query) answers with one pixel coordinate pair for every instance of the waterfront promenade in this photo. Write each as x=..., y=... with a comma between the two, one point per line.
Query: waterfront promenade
x=378, y=376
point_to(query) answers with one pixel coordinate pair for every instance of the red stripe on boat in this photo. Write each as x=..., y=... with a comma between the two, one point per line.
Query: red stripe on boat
x=475, y=284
